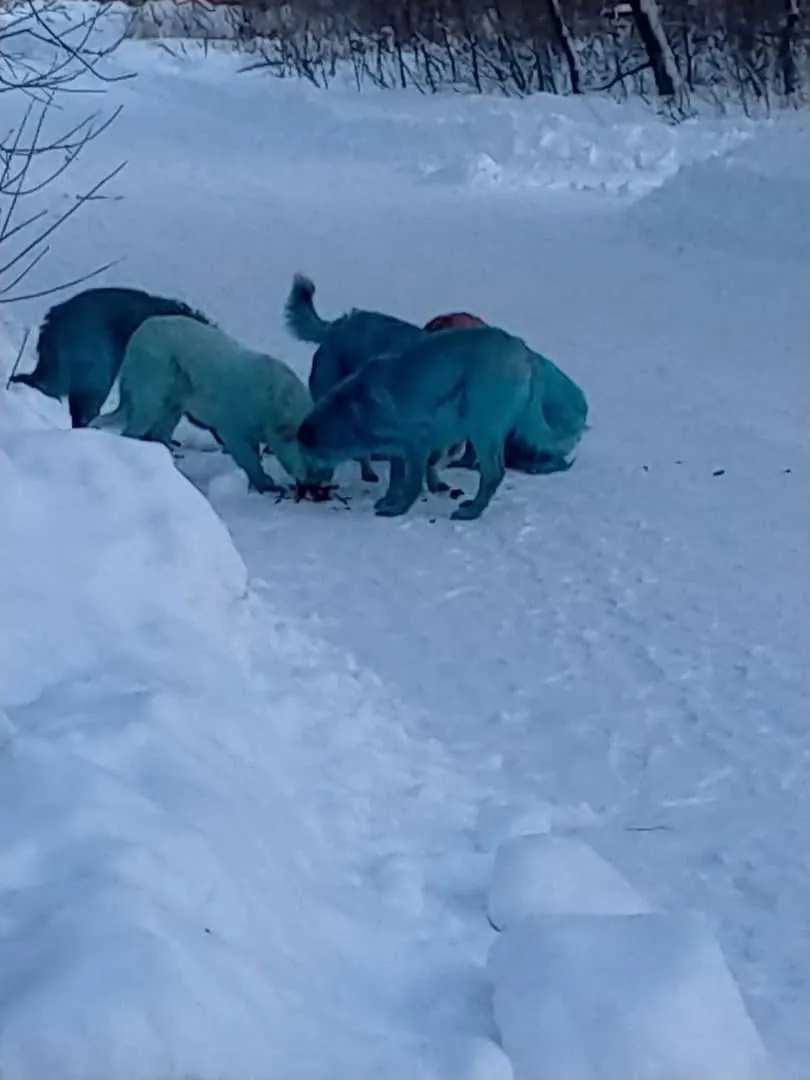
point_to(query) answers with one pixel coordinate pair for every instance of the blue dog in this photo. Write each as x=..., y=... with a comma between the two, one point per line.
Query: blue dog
x=350, y=341
x=464, y=385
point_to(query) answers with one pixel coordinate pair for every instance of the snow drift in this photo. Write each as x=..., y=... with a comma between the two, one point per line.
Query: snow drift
x=621, y=997
x=169, y=898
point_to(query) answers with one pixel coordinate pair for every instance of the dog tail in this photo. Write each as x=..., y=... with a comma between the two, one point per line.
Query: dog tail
x=300, y=316
x=45, y=376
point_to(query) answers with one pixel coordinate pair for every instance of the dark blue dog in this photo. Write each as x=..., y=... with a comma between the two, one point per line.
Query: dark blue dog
x=82, y=342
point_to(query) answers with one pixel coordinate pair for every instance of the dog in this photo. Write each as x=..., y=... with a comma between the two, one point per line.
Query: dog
x=82, y=341
x=470, y=384
x=175, y=366
x=344, y=345
x=562, y=403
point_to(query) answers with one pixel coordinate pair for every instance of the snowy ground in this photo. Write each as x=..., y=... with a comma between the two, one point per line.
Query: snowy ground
x=249, y=803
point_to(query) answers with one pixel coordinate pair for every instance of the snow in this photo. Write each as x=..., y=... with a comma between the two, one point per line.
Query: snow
x=549, y=875
x=258, y=760
x=178, y=878
x=471, y=1058
x=621, y=997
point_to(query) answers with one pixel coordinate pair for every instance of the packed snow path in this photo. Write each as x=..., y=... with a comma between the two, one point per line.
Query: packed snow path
x=627, y=635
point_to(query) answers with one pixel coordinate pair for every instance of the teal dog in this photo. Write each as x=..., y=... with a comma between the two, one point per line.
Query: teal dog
x=471, y=385
x=175, y=366
x=348, y=342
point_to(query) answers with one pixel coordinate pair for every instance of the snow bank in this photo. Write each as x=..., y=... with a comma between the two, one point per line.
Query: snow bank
x=755, y=202
x=499, y=823
x=620, y=997
x=165, y=897
x=551, y=875
x=480, y=142
x=124, y=783
x=556, y=143
x=212, y=833
x=469, y=1058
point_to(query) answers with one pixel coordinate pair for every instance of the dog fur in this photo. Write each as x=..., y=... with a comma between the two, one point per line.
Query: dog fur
x=446, y=388
x=344, y=345
x=561, y=401
x=82, y=341
x=347, y=343
x=177, y=366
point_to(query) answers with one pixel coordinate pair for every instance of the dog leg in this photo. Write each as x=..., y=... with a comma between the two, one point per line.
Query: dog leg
x=434, y=484
x=163, y=430
x=404, y=487
x=84, y=408
x=111, y=421
x=467, y=459
x=248, y=458
x=492, y=471
x=396, y=476
x=407, y=491
x=367, y=474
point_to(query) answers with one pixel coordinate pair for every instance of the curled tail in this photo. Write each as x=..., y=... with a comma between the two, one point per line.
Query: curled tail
x=300, y=316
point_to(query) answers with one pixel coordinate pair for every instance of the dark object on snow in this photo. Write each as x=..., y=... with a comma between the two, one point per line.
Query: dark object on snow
x=303, y=491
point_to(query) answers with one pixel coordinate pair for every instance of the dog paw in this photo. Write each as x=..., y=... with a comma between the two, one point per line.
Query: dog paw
x=466, y=511
x=387, y=509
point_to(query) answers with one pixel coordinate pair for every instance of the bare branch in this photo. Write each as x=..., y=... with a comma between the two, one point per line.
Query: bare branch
x=30, y=160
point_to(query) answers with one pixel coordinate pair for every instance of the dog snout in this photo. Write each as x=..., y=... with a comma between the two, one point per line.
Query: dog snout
x=307, y=435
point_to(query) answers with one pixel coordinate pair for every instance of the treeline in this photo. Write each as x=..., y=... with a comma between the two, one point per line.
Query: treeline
x=678, y=51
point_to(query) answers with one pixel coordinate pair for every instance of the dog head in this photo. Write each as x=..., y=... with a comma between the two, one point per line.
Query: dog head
x=304, y=465
x=452, y=321
x=317, y=473
x=353, y=419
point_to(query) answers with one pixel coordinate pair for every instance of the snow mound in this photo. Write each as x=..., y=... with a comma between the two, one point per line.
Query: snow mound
x=498, y=823
x=189, y=795
x=23, y=409
x=164, y=895
x=479, y=142
x=755, y=202
x=620, y=997
x=122, y=777
x=469, y=1058
x=107, y=530
x=556, y=875
x=581, y=145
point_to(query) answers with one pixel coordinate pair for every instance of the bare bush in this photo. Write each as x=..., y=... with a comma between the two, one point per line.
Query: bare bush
x=675, y=51
x=45, y=54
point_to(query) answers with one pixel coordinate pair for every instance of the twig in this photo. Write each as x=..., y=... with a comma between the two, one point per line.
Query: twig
x=81, y=200
x=20, y=351
x=65, y=284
